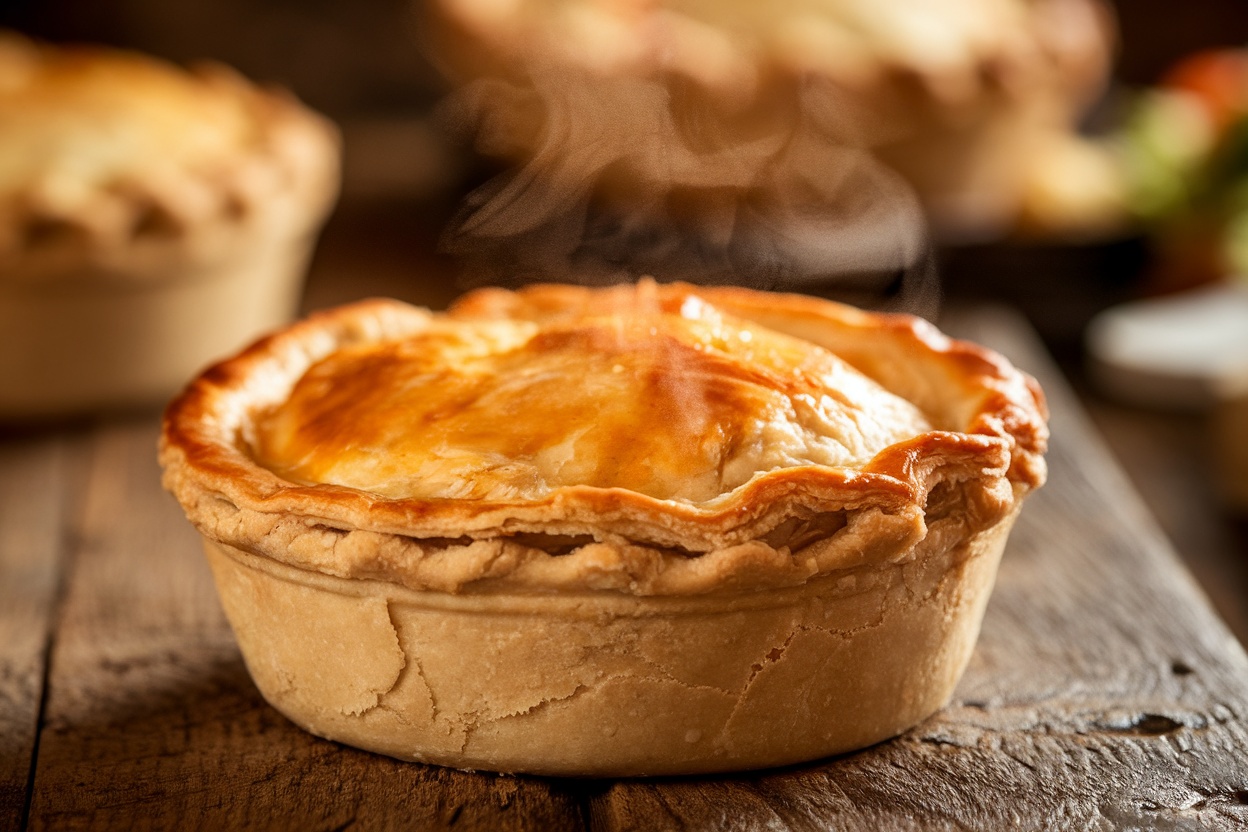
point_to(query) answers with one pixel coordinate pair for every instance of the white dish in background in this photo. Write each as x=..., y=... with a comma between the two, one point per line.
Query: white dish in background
x=1176, y=351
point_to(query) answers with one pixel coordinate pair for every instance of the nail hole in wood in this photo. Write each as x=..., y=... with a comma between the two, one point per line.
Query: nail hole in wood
x=1181, y=668
x=1154, y=725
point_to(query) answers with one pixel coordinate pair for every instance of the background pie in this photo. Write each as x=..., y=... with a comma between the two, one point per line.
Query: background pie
x=151, y=219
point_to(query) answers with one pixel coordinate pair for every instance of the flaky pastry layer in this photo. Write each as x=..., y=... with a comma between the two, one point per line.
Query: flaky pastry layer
x=662, y=396
x=933, y=437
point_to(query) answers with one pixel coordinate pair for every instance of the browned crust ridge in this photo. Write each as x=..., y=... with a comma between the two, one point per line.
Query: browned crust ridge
x=782, y=528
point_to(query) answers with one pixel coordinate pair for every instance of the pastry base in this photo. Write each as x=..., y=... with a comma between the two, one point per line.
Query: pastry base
x=607, y=684
x=90, y=341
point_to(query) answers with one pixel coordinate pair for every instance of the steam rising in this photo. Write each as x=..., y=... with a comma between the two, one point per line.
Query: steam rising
x=621, y=176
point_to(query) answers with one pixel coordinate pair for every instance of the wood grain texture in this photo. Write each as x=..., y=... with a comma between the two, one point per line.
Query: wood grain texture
x=1173, y=458
x=35, y=498
x=1103, y=694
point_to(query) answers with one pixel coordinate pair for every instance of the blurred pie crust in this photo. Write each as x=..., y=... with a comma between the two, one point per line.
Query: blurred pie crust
x=640, y=530
x=152, y=219
x=961, y=97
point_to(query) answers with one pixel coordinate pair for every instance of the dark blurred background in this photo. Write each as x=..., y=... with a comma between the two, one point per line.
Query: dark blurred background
x=364, y=65
x=364, y=61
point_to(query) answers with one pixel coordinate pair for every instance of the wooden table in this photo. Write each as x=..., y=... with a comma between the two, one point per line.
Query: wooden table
x=1103, y=694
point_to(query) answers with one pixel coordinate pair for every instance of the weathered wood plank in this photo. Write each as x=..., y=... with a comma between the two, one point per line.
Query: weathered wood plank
x=1104, y=693
x=152, y=720
x=34, y=495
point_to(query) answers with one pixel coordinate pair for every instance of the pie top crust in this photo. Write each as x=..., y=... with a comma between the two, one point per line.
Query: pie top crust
x=649, y=439
x=955, y=51
x=103, y=151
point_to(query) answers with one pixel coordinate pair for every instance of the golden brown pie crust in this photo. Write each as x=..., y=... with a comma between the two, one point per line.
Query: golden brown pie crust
x=961, y=98
x=111, y=156
x=810, y=610
x=152, y=219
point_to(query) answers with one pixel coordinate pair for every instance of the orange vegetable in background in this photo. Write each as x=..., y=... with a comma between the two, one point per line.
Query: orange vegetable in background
x=1218, y=78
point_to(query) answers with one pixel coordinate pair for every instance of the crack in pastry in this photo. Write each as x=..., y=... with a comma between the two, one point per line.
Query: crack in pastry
x=580, y=574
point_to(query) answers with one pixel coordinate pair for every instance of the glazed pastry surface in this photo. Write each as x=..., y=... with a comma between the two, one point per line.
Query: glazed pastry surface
x=668, y=398
x=106, y=116
x=651, y=439
x=105, y=148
